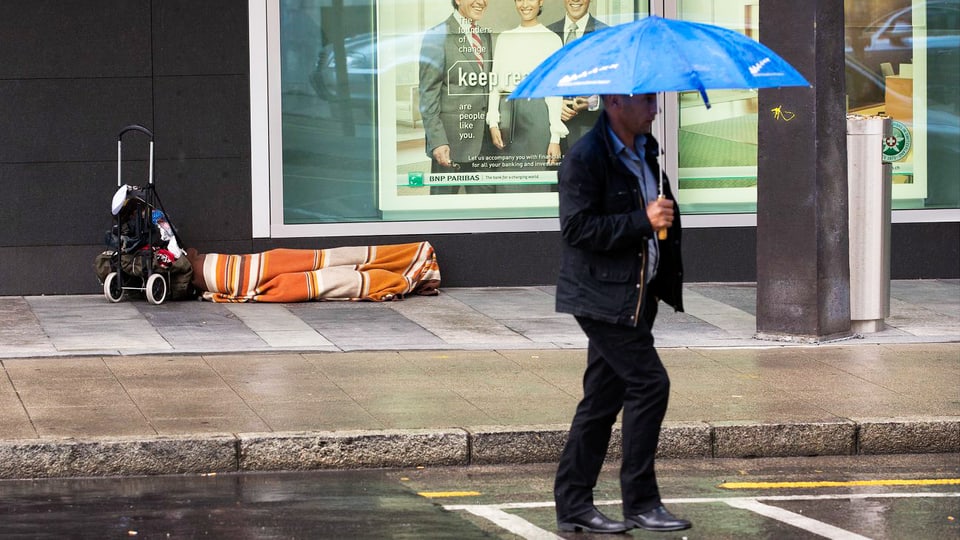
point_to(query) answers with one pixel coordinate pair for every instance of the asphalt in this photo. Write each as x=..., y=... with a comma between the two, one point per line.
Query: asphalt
x=472, y=376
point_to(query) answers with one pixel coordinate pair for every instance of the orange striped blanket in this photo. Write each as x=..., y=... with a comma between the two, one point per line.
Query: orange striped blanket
x=294, y=275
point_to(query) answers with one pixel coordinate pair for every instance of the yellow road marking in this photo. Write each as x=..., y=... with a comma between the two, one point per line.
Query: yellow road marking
x=848, y=483
x=445, y=494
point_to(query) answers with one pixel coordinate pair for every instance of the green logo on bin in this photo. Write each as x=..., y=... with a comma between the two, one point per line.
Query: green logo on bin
x=415, y=179
x=897, y=145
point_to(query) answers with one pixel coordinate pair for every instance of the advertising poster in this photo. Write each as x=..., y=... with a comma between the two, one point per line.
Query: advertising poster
x=446, y=68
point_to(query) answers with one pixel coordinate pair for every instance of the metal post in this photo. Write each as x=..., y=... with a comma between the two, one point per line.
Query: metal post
x=869, y=185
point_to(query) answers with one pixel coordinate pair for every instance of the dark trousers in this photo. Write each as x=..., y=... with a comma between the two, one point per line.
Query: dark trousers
x=623, y=371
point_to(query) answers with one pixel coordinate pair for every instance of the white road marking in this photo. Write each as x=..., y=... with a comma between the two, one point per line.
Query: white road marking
x=511, y=522
x=796, y=520
x=524, y=529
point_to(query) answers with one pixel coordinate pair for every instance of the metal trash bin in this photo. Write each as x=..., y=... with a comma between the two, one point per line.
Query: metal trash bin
x=869, y=187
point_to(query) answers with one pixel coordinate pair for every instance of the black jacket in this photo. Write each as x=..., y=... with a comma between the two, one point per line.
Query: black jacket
x=605, y=230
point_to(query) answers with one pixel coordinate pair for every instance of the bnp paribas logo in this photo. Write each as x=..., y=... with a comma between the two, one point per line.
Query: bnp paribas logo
x=415, y=178
x=897, y=145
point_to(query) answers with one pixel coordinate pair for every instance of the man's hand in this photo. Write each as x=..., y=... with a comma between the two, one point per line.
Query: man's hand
x=553, y=153
x=496, y=137
x=660, y=213
x=442, y=155
x=572, y=106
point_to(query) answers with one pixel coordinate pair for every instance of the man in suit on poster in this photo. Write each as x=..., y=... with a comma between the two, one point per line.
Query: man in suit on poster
x=579, y=113
x=455, y=62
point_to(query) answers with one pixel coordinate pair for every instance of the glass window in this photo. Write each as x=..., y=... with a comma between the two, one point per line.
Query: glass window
x=328, y=105
x=717, y=168
x=372, y=132
x=387, y=110
x=903, y=61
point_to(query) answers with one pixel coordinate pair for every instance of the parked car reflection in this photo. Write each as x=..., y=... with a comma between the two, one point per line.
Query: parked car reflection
x=891, y=38
x=363, y=65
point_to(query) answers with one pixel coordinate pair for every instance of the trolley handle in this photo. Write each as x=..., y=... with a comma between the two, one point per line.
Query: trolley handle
x=145, y=131
x=135, y=127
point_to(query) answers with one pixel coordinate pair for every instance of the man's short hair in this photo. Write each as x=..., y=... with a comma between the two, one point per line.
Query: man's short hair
x=455, y=6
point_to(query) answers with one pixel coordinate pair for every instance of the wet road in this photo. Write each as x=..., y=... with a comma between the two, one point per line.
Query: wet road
x=878, y=497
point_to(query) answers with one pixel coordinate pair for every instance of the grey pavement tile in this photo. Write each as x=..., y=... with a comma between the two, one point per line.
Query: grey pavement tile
x=296, y=340
x=286, y=389
x=91, y=323
x=14, y=421
x=93, y=420
x=58, y=368
x=742, y=296
x=507, y=302
x=172, y=372
x=364, y=365
x=392, y=387
x=939, y=295
x=241, y=422
x=316, y=416
x=880, y=408
x=261, y=317
x=225, y=338
x=555, y=329
x=47, y=393
x=720, y=316
x=672, y=330
x=190, y=314
x=16, y=426
x=454, y=322
x=363, y=325
x=533, y=359
x=19, y=328
x=529, y=411
x=200, y=326
x=508, y=390
x=87, y=323
x=895, y=368
x=903, y=313
x=266, y=362
x=188, y=402
x=562, y=369
x=275, y=377
x=784, y=410
x=143, y=338
x=30, y=350
x=80, y=309
x=415, y=411
x=278, y=327
x=460, y=362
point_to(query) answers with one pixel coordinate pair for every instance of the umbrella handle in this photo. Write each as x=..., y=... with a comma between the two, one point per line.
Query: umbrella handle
x=662, y=233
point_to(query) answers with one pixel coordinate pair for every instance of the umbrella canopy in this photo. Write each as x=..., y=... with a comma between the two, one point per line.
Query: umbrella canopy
x=655, y=54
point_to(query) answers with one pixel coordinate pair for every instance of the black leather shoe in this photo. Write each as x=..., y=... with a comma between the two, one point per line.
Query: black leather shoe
x=592, y=521
x=658, y=519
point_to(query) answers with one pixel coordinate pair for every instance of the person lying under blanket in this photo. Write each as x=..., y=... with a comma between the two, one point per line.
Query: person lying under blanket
x=376, y=273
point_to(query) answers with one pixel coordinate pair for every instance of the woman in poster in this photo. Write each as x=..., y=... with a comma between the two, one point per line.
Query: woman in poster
x=527, y=132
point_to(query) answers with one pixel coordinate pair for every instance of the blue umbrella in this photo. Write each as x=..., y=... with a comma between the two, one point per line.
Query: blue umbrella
x=655, y=54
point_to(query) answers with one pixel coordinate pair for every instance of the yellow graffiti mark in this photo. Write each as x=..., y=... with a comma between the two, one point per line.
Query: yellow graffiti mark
x=445, y=494
x=847, y=483
x=780, y=114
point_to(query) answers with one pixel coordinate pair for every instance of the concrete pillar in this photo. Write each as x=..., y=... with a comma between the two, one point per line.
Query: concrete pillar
x=803, y=275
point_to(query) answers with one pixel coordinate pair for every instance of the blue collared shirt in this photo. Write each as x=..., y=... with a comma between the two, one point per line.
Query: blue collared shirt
x=648, y=187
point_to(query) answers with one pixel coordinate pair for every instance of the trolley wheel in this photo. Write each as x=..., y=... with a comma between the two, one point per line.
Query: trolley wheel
x=112, y=288
x=156, y=289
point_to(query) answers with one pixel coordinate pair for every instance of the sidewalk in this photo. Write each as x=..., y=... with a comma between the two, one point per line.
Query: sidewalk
x=475, y=375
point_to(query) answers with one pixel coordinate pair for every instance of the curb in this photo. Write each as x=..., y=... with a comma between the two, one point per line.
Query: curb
x=483, y=445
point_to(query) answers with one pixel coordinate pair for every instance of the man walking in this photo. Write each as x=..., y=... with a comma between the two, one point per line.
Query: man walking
x=613, y=272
